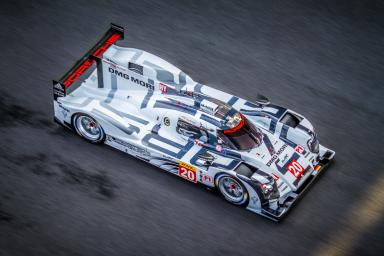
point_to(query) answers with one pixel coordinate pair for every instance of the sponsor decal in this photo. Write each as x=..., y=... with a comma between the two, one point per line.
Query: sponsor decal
x=187, y=171
x=206, y=178
x=84, y=66
x=112, y=39
x=58, y=90
x=295, y=168
x=188, y=93
x=275, y=177
x=167, y=121
x=59, y=87
x=299, y=149
x=276, y=155
x=285, y=158
x=219, y=148
x=163, y=88
x=64, y=111
x=129, y=148
x=78, y=72
x=131, y=78
x=167, y=157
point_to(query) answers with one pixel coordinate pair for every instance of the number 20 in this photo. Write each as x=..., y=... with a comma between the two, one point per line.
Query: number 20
x=188, y=174
x=295, y=168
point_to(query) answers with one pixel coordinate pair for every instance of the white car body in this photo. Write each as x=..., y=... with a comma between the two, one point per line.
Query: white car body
x=142, y=102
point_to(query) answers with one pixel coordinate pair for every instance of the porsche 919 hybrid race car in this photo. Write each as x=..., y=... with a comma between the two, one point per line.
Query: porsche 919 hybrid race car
x=256, y=154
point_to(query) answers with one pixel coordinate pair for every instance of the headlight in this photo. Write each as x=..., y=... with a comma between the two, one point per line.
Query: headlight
x=269, y=189
x=266, y=188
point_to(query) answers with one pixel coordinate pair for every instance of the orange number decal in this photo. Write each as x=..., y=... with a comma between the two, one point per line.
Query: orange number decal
x=187, y=172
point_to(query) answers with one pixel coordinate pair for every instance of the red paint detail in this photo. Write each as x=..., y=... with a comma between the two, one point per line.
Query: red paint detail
x=234, y=129
x=163, y=88
x=78, y=72
x=88, y=62
x=275, y=177
x=111, y=40
x=187, y=172
x=295, y=168
x=299, y=149
x=207, y=178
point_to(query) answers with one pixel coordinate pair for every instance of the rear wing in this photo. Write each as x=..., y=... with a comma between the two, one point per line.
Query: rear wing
x=61, y=87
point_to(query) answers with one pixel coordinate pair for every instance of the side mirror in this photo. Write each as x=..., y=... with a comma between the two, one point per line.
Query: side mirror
x=262, y=100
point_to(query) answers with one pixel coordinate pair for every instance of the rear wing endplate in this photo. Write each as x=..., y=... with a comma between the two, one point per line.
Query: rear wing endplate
x=113, y=34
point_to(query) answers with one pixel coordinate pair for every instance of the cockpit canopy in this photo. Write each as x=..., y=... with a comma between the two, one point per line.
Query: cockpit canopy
x=242, y=134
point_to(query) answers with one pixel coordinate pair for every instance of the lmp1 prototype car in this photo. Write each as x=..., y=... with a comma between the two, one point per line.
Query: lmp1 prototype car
x=256, y=154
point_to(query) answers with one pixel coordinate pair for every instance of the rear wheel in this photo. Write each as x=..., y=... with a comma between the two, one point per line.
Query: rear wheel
x=88, y=128
x=231, y=189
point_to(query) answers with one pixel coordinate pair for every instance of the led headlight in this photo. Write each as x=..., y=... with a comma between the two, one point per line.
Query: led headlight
x=266, y=188
x=269, y=189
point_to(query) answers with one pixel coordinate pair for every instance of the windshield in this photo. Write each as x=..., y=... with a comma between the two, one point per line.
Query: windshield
x=245, y=137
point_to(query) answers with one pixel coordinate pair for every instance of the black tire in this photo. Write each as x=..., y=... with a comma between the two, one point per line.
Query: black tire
x=88, y=128
x=231, y=189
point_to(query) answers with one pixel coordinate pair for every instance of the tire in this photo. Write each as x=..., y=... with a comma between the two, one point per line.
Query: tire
x=231, y=189
x=88, y=128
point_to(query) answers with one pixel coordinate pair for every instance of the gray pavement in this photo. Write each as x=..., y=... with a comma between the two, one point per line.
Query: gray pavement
x=60, y=195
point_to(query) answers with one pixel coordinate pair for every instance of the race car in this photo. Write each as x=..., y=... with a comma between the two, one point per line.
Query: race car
x=255, y=154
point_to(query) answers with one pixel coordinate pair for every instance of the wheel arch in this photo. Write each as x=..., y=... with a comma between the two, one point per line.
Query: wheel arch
x=242, y=184
x=73, y=116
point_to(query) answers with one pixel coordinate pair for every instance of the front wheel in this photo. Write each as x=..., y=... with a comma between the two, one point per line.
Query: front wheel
x=231, y=189
x=88, y=128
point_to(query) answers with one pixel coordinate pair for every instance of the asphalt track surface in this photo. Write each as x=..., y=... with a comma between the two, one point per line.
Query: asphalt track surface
x=60, y=195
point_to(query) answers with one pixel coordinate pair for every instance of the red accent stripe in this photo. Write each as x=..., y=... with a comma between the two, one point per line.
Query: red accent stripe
x=87, y=63
x=111, y=40
x=234, y=129
x=275, y=177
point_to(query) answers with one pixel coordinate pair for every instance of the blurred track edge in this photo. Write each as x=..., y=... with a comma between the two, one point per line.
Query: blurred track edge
x=364, y=215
